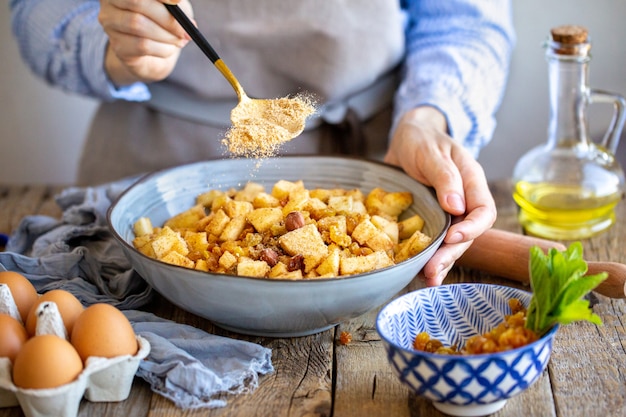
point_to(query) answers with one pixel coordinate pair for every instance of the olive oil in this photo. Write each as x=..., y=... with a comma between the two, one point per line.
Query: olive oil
x=568, y=187
x=565, y=212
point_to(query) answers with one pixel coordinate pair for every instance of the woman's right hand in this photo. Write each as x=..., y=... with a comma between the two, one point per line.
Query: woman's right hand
x=144, y=39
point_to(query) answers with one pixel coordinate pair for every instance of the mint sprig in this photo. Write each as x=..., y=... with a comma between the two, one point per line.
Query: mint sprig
x=558, y=284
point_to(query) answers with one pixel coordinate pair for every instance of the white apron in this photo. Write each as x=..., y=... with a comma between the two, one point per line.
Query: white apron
x=343, y=52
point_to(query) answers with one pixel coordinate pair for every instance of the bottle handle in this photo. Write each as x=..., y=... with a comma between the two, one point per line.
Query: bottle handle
x=613, y=133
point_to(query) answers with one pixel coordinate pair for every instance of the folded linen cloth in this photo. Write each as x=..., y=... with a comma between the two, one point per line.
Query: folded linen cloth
x=192, y=368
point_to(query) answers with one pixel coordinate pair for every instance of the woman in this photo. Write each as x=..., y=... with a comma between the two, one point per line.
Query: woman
x=442, y=65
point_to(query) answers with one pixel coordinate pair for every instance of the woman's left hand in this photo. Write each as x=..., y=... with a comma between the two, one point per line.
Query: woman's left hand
x=423, y=149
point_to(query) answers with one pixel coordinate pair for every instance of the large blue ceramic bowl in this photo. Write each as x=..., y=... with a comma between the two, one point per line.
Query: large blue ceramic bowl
x=460, y=385
x=271, y=307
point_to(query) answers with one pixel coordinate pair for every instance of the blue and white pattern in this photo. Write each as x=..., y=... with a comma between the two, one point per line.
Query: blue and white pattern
x=452, y=314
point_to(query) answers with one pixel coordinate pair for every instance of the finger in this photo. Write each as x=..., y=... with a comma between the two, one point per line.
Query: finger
x=441, y=172
x=146, y=19
x=437, y=268
x=128, y=47
x=480, y=206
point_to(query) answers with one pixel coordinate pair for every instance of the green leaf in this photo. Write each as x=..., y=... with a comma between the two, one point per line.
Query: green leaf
x=559, y=285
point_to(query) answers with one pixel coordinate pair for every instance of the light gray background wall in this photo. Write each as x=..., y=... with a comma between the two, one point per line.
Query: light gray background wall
x=41, y=129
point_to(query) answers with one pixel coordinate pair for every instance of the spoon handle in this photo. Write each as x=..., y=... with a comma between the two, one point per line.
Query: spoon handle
x=206, y=47
x=195, y=34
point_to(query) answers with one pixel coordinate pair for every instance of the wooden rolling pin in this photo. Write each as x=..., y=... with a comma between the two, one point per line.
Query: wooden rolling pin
x=506, y=254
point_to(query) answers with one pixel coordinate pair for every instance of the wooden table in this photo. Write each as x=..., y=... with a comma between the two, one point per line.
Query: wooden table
x=318, y=376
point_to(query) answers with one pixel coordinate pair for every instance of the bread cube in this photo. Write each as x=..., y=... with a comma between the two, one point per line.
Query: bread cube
x=341, y=204
x=330, y=266
x=264, y=199
x=283, y=188
x=298, y=199
x=280, y=271
x=187, y=219
x=325, y=193
x=356, y=194
x=176, y=258
x=142, y=227
x=233, y=247
x=368, y=235
x=412, y=246
x=316, y=208
x=335, y=229
x=278, y=229
x=249, y=192
x=217, y=223
x=234, y=208
x=219, y=201
x=227, y=260
x=408, y=226
x=202, y=265
x=206, y=199
x=391, y=204
x=360, y=264
x=262, y=219
x=306, y=241
x=196, y=241
x=359, y=207
x=390, y=228
x=167, y=241
x=143, y=245
x=339, y=222
x=248, y=267
x=142, y=240
x=233, y=229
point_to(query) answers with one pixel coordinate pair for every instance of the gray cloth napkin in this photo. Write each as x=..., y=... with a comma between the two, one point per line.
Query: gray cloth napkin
x=192, y=368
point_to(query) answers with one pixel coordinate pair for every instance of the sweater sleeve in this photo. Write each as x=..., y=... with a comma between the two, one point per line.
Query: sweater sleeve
x=457, y=59
x=63, y=43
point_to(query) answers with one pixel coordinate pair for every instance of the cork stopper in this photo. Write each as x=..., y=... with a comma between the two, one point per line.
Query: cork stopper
x=569, y=34
x=570, y=40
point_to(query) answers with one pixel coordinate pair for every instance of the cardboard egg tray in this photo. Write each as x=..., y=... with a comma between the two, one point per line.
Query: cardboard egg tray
x=102, y=380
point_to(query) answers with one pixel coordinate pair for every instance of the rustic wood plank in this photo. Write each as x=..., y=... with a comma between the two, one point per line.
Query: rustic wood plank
x=583, y=354
x=300, y=385
x=19, y=201
x=136, y=405
x=365, y=382
x=586, y=355
x=11, y=412
x=316, y=375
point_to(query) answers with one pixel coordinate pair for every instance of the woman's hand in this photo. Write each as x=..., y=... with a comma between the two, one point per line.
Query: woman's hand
x=144, y=39
x=421, y=146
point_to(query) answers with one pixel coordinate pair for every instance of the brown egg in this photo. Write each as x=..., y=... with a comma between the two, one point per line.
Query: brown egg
x=12, y=336
x=46, y=361
x=103, y=330
x=69, y=306
x=23, y=292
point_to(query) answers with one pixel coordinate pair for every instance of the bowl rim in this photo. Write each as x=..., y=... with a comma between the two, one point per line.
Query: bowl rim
x=461, y=357
x=140, y=179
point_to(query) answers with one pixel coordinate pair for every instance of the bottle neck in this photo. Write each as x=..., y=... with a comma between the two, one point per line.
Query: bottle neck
x=569, y=97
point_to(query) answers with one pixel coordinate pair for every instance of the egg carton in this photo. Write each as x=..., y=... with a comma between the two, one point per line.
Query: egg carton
x=102, y=380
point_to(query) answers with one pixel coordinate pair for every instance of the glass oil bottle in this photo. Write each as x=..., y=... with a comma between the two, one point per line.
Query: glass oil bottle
x=568, y=187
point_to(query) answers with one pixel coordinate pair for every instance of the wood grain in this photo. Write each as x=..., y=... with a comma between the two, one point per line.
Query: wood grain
x=318, y=376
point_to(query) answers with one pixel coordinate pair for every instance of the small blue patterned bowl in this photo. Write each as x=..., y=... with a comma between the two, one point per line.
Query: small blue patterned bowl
x=460, y=385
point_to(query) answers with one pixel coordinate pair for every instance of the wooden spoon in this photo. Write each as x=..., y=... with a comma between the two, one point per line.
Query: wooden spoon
x=507, y=255
x=267, y=112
